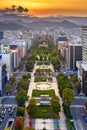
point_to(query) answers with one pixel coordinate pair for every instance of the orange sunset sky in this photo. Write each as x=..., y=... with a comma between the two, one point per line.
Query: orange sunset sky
x=50, y=7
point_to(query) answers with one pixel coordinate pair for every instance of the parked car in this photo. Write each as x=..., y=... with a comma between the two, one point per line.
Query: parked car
x=85, y=119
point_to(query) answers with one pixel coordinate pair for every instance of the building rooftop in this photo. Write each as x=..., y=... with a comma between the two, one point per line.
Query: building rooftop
x=84, y=66
x=75, y=44
x=62, y=39
x=1, y=63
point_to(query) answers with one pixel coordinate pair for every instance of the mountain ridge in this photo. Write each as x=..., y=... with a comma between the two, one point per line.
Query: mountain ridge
x=35, y=22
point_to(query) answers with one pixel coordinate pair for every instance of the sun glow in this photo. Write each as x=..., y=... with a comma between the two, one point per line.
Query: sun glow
x=50, y=7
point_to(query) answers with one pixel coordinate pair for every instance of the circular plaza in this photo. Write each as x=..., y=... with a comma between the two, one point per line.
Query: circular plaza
x=43, y=86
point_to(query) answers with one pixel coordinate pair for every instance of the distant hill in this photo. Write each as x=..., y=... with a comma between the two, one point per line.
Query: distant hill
x=14, y=21
x=77, y=20
x=11, y=26
x=14, y=17
x=43, y=23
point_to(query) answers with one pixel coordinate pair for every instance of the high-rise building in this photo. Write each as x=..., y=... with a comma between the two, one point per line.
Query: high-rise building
x=84, y=59
x=3, y=77
x=75, y=54
x=84, y=42
x=82, y=66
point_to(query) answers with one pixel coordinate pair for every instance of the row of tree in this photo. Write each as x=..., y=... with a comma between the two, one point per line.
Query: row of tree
x=21, y=98
x=55, y=59
x=9, y=86
x=23, y=84
x=19, y=124
x=75, y=82
x=66, y=92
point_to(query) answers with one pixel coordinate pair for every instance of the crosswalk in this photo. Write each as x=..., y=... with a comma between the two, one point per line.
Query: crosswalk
x=77, y=125
x=77, y=106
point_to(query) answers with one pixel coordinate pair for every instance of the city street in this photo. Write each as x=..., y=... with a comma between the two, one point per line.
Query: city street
x=78, y=111
x=7, y=111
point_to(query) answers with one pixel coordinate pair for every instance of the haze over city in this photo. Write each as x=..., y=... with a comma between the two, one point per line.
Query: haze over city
x=49, y=7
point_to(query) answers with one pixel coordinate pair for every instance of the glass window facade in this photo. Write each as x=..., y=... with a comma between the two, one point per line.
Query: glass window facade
x=84, y=42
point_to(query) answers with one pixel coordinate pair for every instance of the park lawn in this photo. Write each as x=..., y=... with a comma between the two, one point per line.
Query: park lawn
x=43, y=70
x=43, y=79
x=43, y=111
x=43, y=63
x=40, y=79
x=37, y=93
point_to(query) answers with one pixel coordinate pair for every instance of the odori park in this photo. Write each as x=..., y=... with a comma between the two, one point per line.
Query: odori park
x=42, y=88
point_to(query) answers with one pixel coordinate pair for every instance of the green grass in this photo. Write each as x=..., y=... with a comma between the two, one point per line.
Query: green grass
x=39, y=63
x=40, y=79
x=43, y=79
x=43, y=63
x=42, y=112
x=37, y=93
x=43, y=70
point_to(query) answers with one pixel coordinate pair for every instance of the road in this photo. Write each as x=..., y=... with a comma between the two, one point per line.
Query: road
x=10, y=113
x=9, y=100
x=78, y=110
x=9, y=104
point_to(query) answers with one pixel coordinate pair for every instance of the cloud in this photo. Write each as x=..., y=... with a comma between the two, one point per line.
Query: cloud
x=14, y=8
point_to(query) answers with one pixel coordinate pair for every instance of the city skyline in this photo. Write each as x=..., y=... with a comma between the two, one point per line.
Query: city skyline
x=49, y=7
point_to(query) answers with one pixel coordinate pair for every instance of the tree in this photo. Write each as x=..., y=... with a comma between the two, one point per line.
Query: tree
x=55, y=105
x=12, y=80
x=85, y=105
x=73, y=78
x=23, y=83
x=21, y=97
x=20, y=111
x=26, y=76
x=41, y=57
x=19, y=123
x=30, y=65
x=20, y=65
x=67, y=96
x=32, y=107
x=8, y=87
x=55, y=62
x=54, y=53
x=44, y=128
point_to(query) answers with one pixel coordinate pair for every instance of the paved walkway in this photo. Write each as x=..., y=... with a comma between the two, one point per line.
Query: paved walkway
x=49, y=124
x=62, y=121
